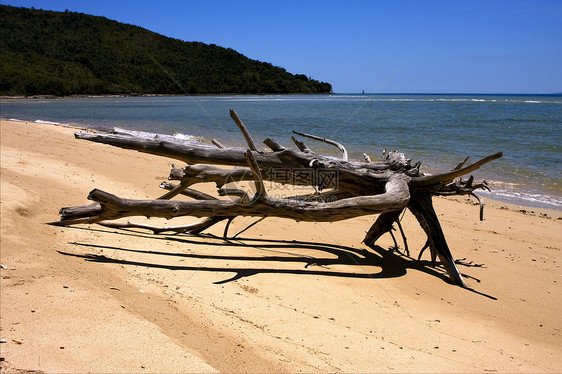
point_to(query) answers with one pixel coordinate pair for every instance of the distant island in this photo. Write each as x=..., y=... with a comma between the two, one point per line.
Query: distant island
x=67, y=53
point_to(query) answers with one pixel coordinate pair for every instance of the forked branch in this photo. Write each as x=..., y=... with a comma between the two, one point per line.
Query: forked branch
x=327, y=141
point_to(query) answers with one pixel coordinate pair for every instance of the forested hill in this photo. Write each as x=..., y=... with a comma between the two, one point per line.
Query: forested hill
x=66, y=53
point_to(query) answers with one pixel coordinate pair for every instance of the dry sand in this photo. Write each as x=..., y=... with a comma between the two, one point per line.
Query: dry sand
x=297, y=297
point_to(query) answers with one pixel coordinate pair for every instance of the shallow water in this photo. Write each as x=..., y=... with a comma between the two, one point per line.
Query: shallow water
x=438, y=130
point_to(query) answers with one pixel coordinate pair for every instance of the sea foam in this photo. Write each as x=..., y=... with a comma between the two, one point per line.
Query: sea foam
x=47, y=122
x=182, y=138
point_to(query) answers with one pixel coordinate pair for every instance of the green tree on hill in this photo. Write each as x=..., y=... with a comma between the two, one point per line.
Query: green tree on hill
x=66, y=53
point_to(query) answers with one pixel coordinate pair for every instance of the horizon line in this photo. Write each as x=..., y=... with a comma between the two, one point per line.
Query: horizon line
x=443, y=93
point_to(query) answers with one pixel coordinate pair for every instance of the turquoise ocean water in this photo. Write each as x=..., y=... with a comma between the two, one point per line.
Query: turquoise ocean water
x=438, y=130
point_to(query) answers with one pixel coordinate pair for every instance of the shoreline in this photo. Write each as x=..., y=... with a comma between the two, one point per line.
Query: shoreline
x=508, y=201
x=284, y=297
x=86, y=96
x=19, y=97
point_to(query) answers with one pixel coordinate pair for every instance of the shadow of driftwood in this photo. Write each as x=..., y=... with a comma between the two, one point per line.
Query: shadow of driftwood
x=392, y=263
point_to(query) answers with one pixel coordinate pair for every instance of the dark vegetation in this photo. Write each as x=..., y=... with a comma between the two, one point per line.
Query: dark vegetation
x=66, y=53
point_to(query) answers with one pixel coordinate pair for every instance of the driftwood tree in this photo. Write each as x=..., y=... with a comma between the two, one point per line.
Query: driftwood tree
x=340, y=189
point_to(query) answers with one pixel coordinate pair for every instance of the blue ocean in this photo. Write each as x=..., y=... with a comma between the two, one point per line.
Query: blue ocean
x=438, y=130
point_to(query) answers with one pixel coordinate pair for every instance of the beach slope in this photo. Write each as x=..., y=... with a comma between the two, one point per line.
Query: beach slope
x=282, y=297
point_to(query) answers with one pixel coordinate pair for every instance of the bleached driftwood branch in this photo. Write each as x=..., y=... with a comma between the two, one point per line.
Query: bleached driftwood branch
x=343, y=189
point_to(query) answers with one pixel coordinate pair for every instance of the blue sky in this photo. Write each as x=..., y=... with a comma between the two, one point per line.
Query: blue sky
x=491, y=46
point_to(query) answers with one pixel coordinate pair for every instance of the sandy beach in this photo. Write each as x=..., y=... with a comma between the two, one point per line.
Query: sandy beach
x=283, y=297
